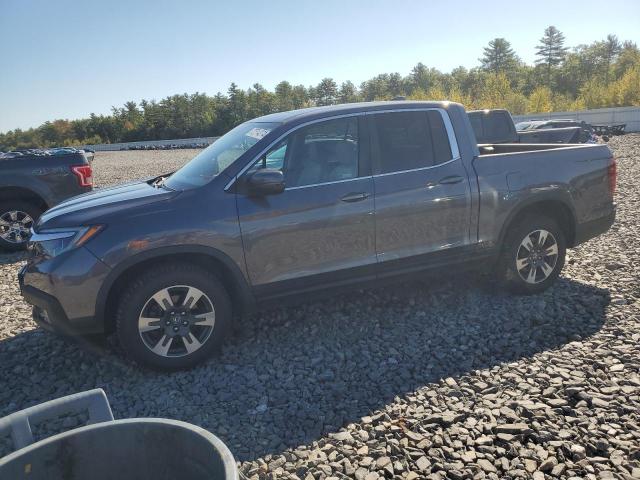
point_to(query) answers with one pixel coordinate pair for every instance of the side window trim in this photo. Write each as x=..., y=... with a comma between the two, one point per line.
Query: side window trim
x=324, y=183
x=453, y=142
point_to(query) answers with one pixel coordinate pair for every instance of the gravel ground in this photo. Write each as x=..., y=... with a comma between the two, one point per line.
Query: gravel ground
x=415, y=381
x=108, y=166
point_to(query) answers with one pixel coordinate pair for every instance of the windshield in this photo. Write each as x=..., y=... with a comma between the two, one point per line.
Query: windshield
x=219, y=155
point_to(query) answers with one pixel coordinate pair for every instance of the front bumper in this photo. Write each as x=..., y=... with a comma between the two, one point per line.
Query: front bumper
x=63, y=291
x=47, y=311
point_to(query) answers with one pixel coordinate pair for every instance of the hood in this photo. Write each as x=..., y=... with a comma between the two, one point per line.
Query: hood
x=95, y=206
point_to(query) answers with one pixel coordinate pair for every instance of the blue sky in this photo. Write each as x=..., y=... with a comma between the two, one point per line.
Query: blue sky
x=68, y=58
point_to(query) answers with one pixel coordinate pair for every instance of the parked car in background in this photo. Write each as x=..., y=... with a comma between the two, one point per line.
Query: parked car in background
x=32, y=181
x=320, y=199
x=497, y=126
x=586, y=130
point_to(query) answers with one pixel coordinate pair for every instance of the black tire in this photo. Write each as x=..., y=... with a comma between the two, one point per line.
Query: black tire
x=174, y=279
x=23, y=208
x=513, y=255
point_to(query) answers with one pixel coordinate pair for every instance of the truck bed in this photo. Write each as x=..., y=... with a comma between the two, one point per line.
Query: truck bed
x=509, y=174
x=502, y=148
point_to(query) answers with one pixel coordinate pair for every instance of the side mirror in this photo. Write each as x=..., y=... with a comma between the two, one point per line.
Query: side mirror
x=267, y=181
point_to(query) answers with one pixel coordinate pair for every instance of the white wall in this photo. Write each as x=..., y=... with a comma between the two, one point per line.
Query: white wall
x=119, y=146
x=600, y=116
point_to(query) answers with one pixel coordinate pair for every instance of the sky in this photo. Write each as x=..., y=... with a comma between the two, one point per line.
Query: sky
x=68, y=58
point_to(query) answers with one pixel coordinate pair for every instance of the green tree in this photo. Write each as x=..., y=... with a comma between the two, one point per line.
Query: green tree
x=628, y=58
x=284, y=96
x=326, y=93
x=540, y=100
x=612, y=49
x=499, y=57
x=260, y=101
x=301, y=97
x=626, y=90
x=496, y=92
x=551, y=50
x=348, y=92
x=423, y=78
x=237, y=106
x=376, y=88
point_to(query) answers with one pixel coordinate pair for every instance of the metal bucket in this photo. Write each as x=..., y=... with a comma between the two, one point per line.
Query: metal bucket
x=140, y=448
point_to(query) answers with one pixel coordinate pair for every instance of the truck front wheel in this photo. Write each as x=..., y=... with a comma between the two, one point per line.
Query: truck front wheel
x=532, y=255
x=16, y=220
x=173, y=316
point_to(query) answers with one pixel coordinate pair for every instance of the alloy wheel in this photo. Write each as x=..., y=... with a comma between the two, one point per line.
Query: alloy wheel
x=15, y=226
x=176, y=321
x=537, y=256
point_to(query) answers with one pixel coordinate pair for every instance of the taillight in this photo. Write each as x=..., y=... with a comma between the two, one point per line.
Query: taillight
x=84, y=175
x=612, y=172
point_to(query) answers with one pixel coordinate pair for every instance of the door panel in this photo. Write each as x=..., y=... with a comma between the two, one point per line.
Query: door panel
x=422, y=211
x=423, y=196
x=307, y=231
x=322, y=225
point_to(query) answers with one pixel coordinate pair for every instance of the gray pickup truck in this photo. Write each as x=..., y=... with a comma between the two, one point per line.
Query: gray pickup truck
x=33, y=181
x=297, y=202
x=497, y=126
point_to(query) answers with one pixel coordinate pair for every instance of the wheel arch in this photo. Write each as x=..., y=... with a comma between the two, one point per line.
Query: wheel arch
x=23, y=194
x=213, y=260
x=555, y=207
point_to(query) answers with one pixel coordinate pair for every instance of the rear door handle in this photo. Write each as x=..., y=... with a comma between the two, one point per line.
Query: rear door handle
x=355, y=197
x=450, y=180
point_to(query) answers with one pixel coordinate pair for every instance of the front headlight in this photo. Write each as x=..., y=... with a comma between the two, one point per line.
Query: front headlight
x=53, y=242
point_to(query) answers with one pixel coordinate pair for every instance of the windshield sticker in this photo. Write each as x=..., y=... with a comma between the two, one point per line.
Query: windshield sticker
x=258, y=133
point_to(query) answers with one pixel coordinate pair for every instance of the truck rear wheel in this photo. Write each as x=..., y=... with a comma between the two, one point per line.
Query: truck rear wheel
x=173, y=316
x=16, y=220
x=533, y=255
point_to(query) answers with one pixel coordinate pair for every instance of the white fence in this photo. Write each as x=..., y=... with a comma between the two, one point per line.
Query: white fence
x=102, y=147
x=601, y=116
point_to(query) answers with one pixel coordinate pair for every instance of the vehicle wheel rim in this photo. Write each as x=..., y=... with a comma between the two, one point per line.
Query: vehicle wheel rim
x=15, y=226
x=176, y=321
x=537, y=256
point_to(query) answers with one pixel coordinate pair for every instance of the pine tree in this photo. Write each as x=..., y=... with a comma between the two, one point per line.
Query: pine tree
x=612, y=49
x=551, y=50
x=348, y=93
x=326, y=92
x=499, y=57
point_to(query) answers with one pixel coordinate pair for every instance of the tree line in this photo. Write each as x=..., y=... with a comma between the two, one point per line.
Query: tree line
x=605, y=73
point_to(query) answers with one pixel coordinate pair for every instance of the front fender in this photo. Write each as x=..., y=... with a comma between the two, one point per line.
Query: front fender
x=243, y=290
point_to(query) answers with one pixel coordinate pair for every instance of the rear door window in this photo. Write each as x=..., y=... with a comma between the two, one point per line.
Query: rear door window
x=410, y=140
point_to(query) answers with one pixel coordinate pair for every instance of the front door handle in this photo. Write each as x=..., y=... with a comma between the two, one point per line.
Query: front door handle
x=450, y=180
x=355, y=197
